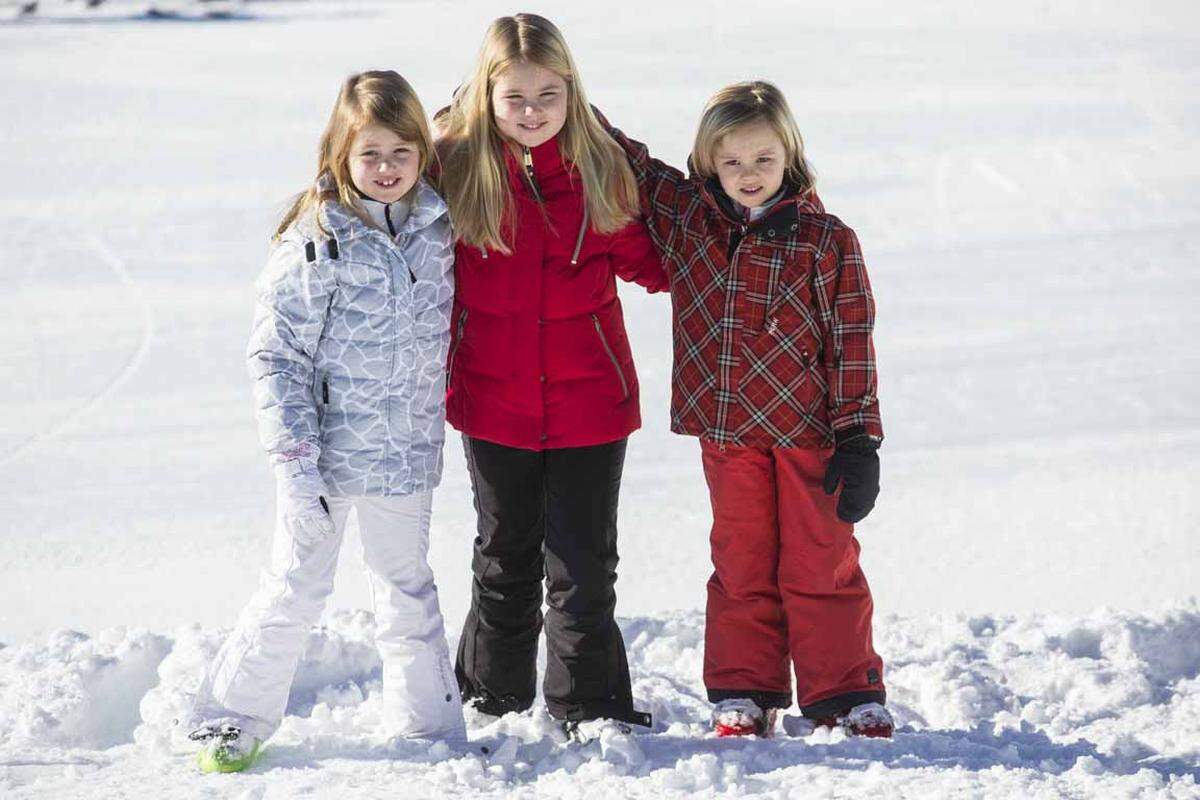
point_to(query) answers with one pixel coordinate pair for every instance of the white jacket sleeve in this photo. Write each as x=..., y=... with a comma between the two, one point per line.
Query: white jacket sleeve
x=294, y=296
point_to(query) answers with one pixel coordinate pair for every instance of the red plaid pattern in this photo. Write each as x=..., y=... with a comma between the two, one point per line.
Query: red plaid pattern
x=772, y=342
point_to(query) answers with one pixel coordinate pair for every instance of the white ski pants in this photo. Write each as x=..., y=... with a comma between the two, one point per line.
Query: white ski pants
x=249, y=679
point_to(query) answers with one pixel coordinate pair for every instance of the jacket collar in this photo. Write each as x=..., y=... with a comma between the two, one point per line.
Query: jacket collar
x=427, y=207
x=387, y=216
x=785, y=211
x=547, y=160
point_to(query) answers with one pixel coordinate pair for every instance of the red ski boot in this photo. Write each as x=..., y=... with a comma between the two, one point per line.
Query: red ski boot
x=869, y=719
x=742, y=717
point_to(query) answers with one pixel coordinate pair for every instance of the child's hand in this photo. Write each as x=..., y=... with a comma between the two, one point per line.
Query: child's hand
x=302, y=500
x=855, y=465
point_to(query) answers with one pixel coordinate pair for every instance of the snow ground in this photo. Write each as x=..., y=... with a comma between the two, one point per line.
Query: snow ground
x=1024, y=177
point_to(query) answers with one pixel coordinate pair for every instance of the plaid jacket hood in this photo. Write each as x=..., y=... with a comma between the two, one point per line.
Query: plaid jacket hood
x=772, y=319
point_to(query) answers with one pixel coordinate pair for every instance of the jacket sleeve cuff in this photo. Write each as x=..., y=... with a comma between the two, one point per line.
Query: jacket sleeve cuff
x=857, y=437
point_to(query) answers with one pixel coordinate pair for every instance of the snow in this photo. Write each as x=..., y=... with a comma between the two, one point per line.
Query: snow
x=1036, y=705
x=1024, y=178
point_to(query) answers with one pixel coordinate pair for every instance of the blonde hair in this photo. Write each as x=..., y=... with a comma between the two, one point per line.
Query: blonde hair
x=378, y=97
x=474, y=175
x=744, y=103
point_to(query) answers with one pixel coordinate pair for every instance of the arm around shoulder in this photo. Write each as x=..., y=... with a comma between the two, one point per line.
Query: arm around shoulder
x=636, y=259
x=660, y=186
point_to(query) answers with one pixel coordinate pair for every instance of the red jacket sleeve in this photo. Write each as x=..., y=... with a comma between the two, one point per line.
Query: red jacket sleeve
x=635, y=258
x=849, y=350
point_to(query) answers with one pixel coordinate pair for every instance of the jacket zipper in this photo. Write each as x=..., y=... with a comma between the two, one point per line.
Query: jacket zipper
x=736, y=237
x=579, y=239
x=533, y=184
x=611, y=356
x=462, y=322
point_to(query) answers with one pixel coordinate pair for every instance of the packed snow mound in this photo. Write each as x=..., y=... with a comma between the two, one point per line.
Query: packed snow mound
x=75, y=691
x=1008, y=706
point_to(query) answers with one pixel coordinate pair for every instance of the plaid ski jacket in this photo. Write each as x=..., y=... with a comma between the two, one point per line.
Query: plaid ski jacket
x=771, y=320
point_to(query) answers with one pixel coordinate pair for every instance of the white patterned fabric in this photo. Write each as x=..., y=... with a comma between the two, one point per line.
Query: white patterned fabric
x=248, y=681
x=348, y=349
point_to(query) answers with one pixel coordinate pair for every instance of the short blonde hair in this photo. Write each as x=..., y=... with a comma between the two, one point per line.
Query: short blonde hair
x=744, y=103
x=378, y=97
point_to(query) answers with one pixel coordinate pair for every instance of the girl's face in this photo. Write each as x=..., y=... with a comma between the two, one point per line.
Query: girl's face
x=382, y=165
x=750, y=163
x=529, y=103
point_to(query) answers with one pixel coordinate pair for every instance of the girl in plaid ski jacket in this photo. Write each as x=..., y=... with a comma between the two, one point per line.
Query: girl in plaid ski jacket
x=774, y=370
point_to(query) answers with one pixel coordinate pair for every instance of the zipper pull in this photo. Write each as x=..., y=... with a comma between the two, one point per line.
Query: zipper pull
x=528, y=161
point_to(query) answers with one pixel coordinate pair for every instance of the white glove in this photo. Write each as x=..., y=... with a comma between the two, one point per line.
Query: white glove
x=302, y=495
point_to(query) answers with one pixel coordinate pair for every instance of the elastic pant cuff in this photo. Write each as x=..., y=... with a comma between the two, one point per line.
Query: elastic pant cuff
x=763, y=700
x=600, y=710
x=839, y=704
x=492, y=705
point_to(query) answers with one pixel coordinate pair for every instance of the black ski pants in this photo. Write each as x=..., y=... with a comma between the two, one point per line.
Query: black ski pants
x=545, y=515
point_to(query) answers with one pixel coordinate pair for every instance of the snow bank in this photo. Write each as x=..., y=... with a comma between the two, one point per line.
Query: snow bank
x=1014, y=706
x=75, y=691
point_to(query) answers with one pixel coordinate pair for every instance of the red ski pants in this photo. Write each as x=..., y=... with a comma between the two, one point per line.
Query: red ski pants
x=786, y=586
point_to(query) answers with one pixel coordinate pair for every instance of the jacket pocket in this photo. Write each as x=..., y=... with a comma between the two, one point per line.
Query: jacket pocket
x=321, y=395
x=781, y=384
x=612, y=357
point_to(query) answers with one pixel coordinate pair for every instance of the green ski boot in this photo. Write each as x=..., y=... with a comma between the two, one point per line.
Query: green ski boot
x=225, y=750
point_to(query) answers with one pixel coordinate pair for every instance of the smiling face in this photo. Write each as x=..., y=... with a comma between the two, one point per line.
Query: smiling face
x=383, y=166
x=750, y=163
x=529, y=103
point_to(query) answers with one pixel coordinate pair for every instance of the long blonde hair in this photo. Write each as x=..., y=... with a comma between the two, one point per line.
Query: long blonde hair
x=474, y=176
x=743, y=103
x=377, y=97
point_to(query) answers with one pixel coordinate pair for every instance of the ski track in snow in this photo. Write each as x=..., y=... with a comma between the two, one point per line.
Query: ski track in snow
x=134, y=363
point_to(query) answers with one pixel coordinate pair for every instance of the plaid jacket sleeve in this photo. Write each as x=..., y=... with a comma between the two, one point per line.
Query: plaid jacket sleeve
x=659, y=187
x=636, y=259
x=849, y=351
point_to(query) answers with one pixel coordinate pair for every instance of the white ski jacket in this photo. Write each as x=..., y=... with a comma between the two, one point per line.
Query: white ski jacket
x=348, y=348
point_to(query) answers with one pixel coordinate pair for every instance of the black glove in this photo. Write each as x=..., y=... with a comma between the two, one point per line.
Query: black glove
x=854, y=465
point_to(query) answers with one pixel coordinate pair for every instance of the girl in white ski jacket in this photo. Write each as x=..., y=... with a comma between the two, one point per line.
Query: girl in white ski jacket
x=348, y=355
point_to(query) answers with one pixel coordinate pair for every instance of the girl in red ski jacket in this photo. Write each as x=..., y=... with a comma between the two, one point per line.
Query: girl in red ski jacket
x=541, y=378
x=774, y=370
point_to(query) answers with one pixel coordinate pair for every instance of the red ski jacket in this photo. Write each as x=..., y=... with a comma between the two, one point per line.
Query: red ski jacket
x=538, y=353
x=772, y=319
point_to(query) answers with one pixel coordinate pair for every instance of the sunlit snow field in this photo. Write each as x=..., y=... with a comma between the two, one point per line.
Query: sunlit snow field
x=1025, y=180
